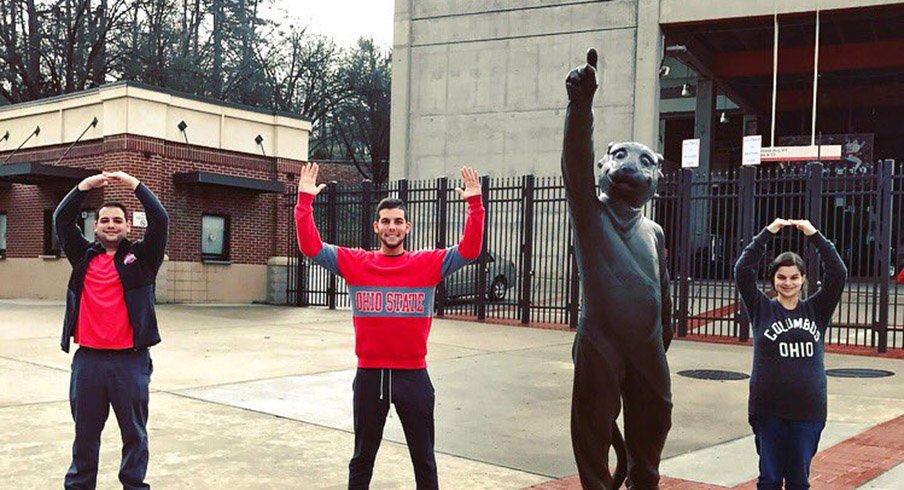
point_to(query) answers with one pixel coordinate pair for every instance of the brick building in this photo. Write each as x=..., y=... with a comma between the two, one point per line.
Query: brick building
x=220, y=169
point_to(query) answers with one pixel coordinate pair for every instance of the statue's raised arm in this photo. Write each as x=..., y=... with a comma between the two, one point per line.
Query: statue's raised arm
x=577, y=147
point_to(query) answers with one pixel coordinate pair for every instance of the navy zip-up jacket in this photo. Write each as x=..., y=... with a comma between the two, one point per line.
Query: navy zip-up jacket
x=138, y=274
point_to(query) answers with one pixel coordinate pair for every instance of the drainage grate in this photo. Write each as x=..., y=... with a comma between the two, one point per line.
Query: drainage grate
x=714, y=374
x=858, y=373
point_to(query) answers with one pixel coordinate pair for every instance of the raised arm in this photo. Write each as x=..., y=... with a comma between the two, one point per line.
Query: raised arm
x=745, y=268
x=309, y=241
x=577, y=147
x=829, y=294
x=66, y=215
x=471, y=242
x=153, y=245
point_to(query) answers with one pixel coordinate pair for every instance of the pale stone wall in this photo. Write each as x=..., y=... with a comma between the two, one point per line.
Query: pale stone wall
x=197, y=282
x=124, y=108
x=34, y=278
x=177, y=282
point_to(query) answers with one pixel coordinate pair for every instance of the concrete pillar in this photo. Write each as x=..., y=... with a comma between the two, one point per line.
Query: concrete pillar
x=400, y=92
x=750, y=126
x=647, y=55
x=277, y=279
x=704, y=113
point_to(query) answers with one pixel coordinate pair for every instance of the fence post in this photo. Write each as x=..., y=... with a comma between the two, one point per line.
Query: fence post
x=814, y=212
x=885, y=176
x=367, y=231
x=295, y=264
x=527, y=246
x=745, y=193
x=301, y=288
x=684, y=255
x=442, y=195
x=332, y=237
x=481, y=300
x=403, y=191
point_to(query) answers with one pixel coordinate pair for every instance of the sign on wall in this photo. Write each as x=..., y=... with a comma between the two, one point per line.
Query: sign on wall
x=139, y=219
x=690, y=153
x=801, y=153
x=752, y=146
x=856, y=148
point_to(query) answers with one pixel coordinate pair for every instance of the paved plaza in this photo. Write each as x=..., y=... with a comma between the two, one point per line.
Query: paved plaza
x=259, y=397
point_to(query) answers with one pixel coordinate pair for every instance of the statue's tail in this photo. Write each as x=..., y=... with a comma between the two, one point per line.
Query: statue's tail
x=621, y=457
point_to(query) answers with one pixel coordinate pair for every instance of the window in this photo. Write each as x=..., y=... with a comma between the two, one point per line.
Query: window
x=2, y=235
x=51, y=241
x=86, y=223
x=214, y=237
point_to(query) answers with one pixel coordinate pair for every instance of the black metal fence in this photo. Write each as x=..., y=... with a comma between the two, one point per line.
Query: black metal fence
x=528, y=271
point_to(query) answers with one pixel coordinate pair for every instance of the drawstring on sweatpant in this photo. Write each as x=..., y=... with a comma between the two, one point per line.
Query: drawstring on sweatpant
x=390, y=388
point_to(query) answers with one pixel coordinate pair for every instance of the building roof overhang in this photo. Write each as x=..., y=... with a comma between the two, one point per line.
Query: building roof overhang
x=41, y=173
x=223, y=180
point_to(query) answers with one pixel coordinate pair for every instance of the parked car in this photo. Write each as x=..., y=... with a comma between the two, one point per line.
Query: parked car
x=500, y=278
x=713, y=260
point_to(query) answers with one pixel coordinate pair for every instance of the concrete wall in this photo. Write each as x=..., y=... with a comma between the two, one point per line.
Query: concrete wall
x=195, y=282
x=35, y=278
x=177, y=282
x=481, y=82
x=473, y=84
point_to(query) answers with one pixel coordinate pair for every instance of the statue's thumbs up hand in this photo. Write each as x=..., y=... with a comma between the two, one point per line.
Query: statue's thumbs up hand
x=581, y=83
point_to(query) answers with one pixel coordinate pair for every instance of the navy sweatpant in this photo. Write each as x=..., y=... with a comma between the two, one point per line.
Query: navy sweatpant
x=786, y=448
x=412, y=394
x=100, y=379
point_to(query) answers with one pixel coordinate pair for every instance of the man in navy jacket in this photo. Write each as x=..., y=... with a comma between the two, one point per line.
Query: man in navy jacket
x=110, y=314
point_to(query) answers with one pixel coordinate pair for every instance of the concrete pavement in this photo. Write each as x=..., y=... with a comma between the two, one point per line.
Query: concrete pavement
x=260, y=397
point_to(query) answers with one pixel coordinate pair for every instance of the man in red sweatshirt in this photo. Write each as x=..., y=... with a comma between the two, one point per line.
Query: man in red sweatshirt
x=391, y=293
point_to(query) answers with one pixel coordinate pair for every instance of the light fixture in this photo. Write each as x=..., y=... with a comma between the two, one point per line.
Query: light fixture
x=182, y=127
x=663, y=69
x=723, y=116
x=685, y=88
x=260, y=140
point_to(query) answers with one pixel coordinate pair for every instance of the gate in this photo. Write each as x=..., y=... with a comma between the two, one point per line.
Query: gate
x=527, y=274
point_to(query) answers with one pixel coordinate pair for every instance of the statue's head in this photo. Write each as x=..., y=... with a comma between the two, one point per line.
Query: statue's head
x=630, y=172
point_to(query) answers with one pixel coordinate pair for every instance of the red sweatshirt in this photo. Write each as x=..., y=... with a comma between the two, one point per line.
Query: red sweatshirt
x=391, y=296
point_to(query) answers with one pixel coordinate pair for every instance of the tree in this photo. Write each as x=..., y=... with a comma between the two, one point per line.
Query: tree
x=361, y=121
x=217, y=48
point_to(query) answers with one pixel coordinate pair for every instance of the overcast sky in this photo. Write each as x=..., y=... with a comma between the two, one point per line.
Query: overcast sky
x=343, y=20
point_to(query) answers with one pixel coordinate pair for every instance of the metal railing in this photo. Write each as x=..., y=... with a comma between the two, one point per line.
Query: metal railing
x=529, y=274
